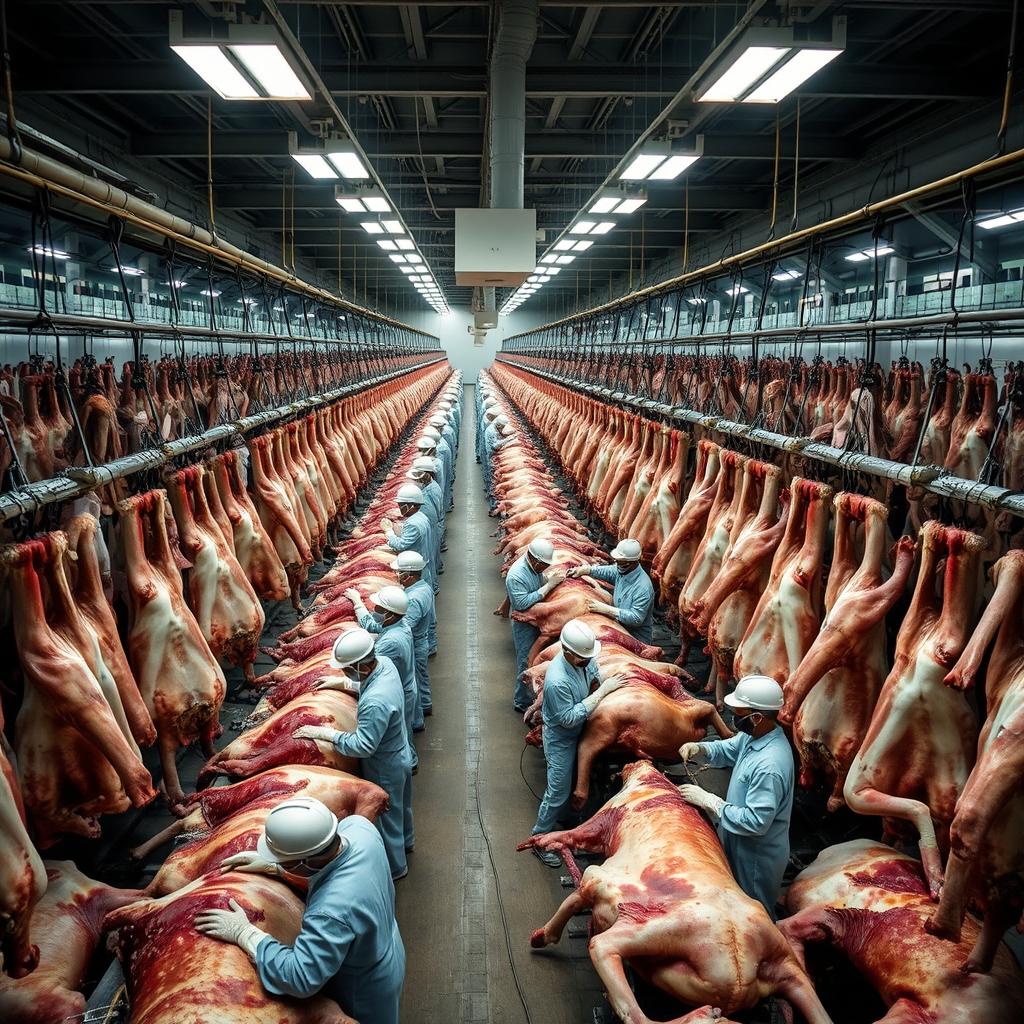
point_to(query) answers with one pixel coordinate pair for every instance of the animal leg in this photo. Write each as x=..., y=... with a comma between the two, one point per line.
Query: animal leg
x=810, y=925
x=998, y=918
x=552, y=931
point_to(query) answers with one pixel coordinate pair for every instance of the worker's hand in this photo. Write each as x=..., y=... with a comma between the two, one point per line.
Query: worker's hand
x=386, y=526
x=553, y=578
x=315, y=732
x=353, y=595
x=600, y=608
x=611, y=684
x=340, y=683
x=250, y=862
x=702, y=799
x=576, y=572
x=223, y=925
x=688, y=750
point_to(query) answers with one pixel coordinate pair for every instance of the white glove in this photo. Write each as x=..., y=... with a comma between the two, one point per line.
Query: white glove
x=551, y=581
x=578, y=571
x=353, y=595
x=600, y=608
x=688, y=750
x=702, y=799
x=340, y=683
x=386, y=526
x=315, y=732
x=251, y=862
x=609, y=685
x=230, y=926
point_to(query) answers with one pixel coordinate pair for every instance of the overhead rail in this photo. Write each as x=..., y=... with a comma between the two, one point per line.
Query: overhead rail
x=79, y=480
x=930, y=478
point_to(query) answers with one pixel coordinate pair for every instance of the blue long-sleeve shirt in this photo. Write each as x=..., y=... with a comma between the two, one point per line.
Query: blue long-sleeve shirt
x=421, y=608
x=416, y=536
x=565, y=689
x=380, y=718
x=349, y=945
x=523, y=585
x=634, y=597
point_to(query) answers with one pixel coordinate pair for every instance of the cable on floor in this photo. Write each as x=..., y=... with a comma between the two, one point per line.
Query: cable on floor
x=523, y=773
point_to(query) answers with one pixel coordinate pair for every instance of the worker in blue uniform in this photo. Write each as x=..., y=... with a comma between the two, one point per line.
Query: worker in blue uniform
x=420, y=617
x=416, y=534
x=394, y=640
x=753, y=819
x=489, y=415
x=380, y=738
x=496, y=436
x=527, y=582
x=566, y=706
x=349, y=947
x=422, y=475
x=427, y=447
x=633, y=590
x=444, y=452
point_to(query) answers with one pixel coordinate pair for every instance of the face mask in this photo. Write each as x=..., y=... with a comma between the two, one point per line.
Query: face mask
x=746, y=724
x=378, y=617
x=624, y=569
x=300, y=870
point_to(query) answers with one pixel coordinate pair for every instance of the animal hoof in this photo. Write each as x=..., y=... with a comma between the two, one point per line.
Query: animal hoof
x=537, y=940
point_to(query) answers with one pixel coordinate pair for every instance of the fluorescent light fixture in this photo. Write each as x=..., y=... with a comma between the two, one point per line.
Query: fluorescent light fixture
x=314, y=165
x=869, y=254
x=212, y=65
x=673, y=167
x=550, y=258
x=1002, y=220
x=583, y=245
x=582, y=227
x=697, y=302
x=210, y=293
x=397, y=257
x=629, y=205
x=566, y=259
x=371, y=227
x=386, y=244
x=414, y=258
x=533, y=277
x=406, y=270
x=393, y=227
x=351, y=204
x=787, y=275
x=267, y=64
x=378, y=204
x=347, y=161
x=768, y=62
x=405, y=243
x=747, y=69
x=606, y=204
x=45, y=250
x=858, y=257
x=181, y=284
x=129, y=271
x=738, y=290
x=658, y=161
x=641, y=166
x=564, y=244
x=551, y=271
x=603, y=228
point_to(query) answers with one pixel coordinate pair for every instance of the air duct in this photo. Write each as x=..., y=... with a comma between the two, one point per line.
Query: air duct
x=513, y=44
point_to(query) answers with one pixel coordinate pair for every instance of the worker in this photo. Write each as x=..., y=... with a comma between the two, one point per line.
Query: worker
x=440, y=422
x=566, y=706
x=450, y=412
x=444, y=452
x=349, y=946
x=633, y=590
x=394, y=641
x=497, y=435
x=426, y=446
x=753, y=819
x=380, y=738
x=421, y=473
x=487, y=413
x=416, y=534
x=526, y=584
x=420, y=617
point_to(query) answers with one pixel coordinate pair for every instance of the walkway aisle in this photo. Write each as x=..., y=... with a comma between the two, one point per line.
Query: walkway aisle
x=458, y=967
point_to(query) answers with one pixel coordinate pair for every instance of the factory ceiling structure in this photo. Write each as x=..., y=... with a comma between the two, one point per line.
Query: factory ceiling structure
x=410, y=84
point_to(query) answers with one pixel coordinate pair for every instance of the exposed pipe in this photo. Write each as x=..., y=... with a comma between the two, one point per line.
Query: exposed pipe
x=506, y=108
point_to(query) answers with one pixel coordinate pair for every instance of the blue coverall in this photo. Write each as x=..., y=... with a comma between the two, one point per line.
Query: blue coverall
x=634, y=597
x=754, y=826
x=523, y=587
x=447, y=457
x=382, y=743
x=420, y=618
x=395, y=642
x=415, y=536
x=493, y=442
x=563, y=713
x=349, y=947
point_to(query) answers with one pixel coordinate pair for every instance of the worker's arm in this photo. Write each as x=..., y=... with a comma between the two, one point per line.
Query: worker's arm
x=754, y=817
x=416, y=614
x=408, y=538
x=303, y=968
x=370, y=728
x=605, y=573
x=521, y=597
x=561, y=708
x=634, y=611
x=723, y=753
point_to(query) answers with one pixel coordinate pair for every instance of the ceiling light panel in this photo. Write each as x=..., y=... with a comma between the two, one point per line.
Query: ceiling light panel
x=751, y=65
x=791, y=75
x=267, y=64
x=213, y=67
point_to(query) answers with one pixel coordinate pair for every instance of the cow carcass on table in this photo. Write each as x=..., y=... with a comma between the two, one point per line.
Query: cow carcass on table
x=271, y=743
x=831, y=696
x=67, y=925
x=179, y=677
x=871, y=903
x=569, y=600
x=986, y=859
x=920, y=745
x=175, y=975
x=236, y=831
x=665, y=901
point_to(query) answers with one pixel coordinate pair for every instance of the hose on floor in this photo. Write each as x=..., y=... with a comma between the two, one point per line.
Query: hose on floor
x=526, y=746
x=497, y=889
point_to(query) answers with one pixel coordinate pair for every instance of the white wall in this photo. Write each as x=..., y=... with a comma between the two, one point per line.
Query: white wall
x=462, y=353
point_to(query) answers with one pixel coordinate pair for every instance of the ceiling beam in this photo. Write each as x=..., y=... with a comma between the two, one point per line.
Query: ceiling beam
x=170, y=145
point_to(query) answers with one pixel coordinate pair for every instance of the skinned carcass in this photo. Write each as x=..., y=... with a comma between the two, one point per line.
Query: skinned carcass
x=67, y=924
x=175, y=975
x=920, y=745
x=665, y=900
x=831, y=696
x=986, y=858
x=871, y=903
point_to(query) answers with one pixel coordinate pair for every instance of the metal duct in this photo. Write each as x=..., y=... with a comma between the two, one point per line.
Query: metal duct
x=513, y=44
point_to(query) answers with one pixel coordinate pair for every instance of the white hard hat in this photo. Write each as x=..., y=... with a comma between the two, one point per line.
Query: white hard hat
x=432, y=434
x=424, y=464
x=438, y=421
x=351, y=648
x=759, y=693
x=543, y=550
x=426, y=443
x=626, y=551
x=491, y=414
x=298, y=828
x=444, y=404
x=409, y=494
x=410, y=561
x=579, y=638
x=392, y=599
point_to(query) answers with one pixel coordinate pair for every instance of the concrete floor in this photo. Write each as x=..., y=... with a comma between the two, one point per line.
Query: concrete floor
x=472, y=807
